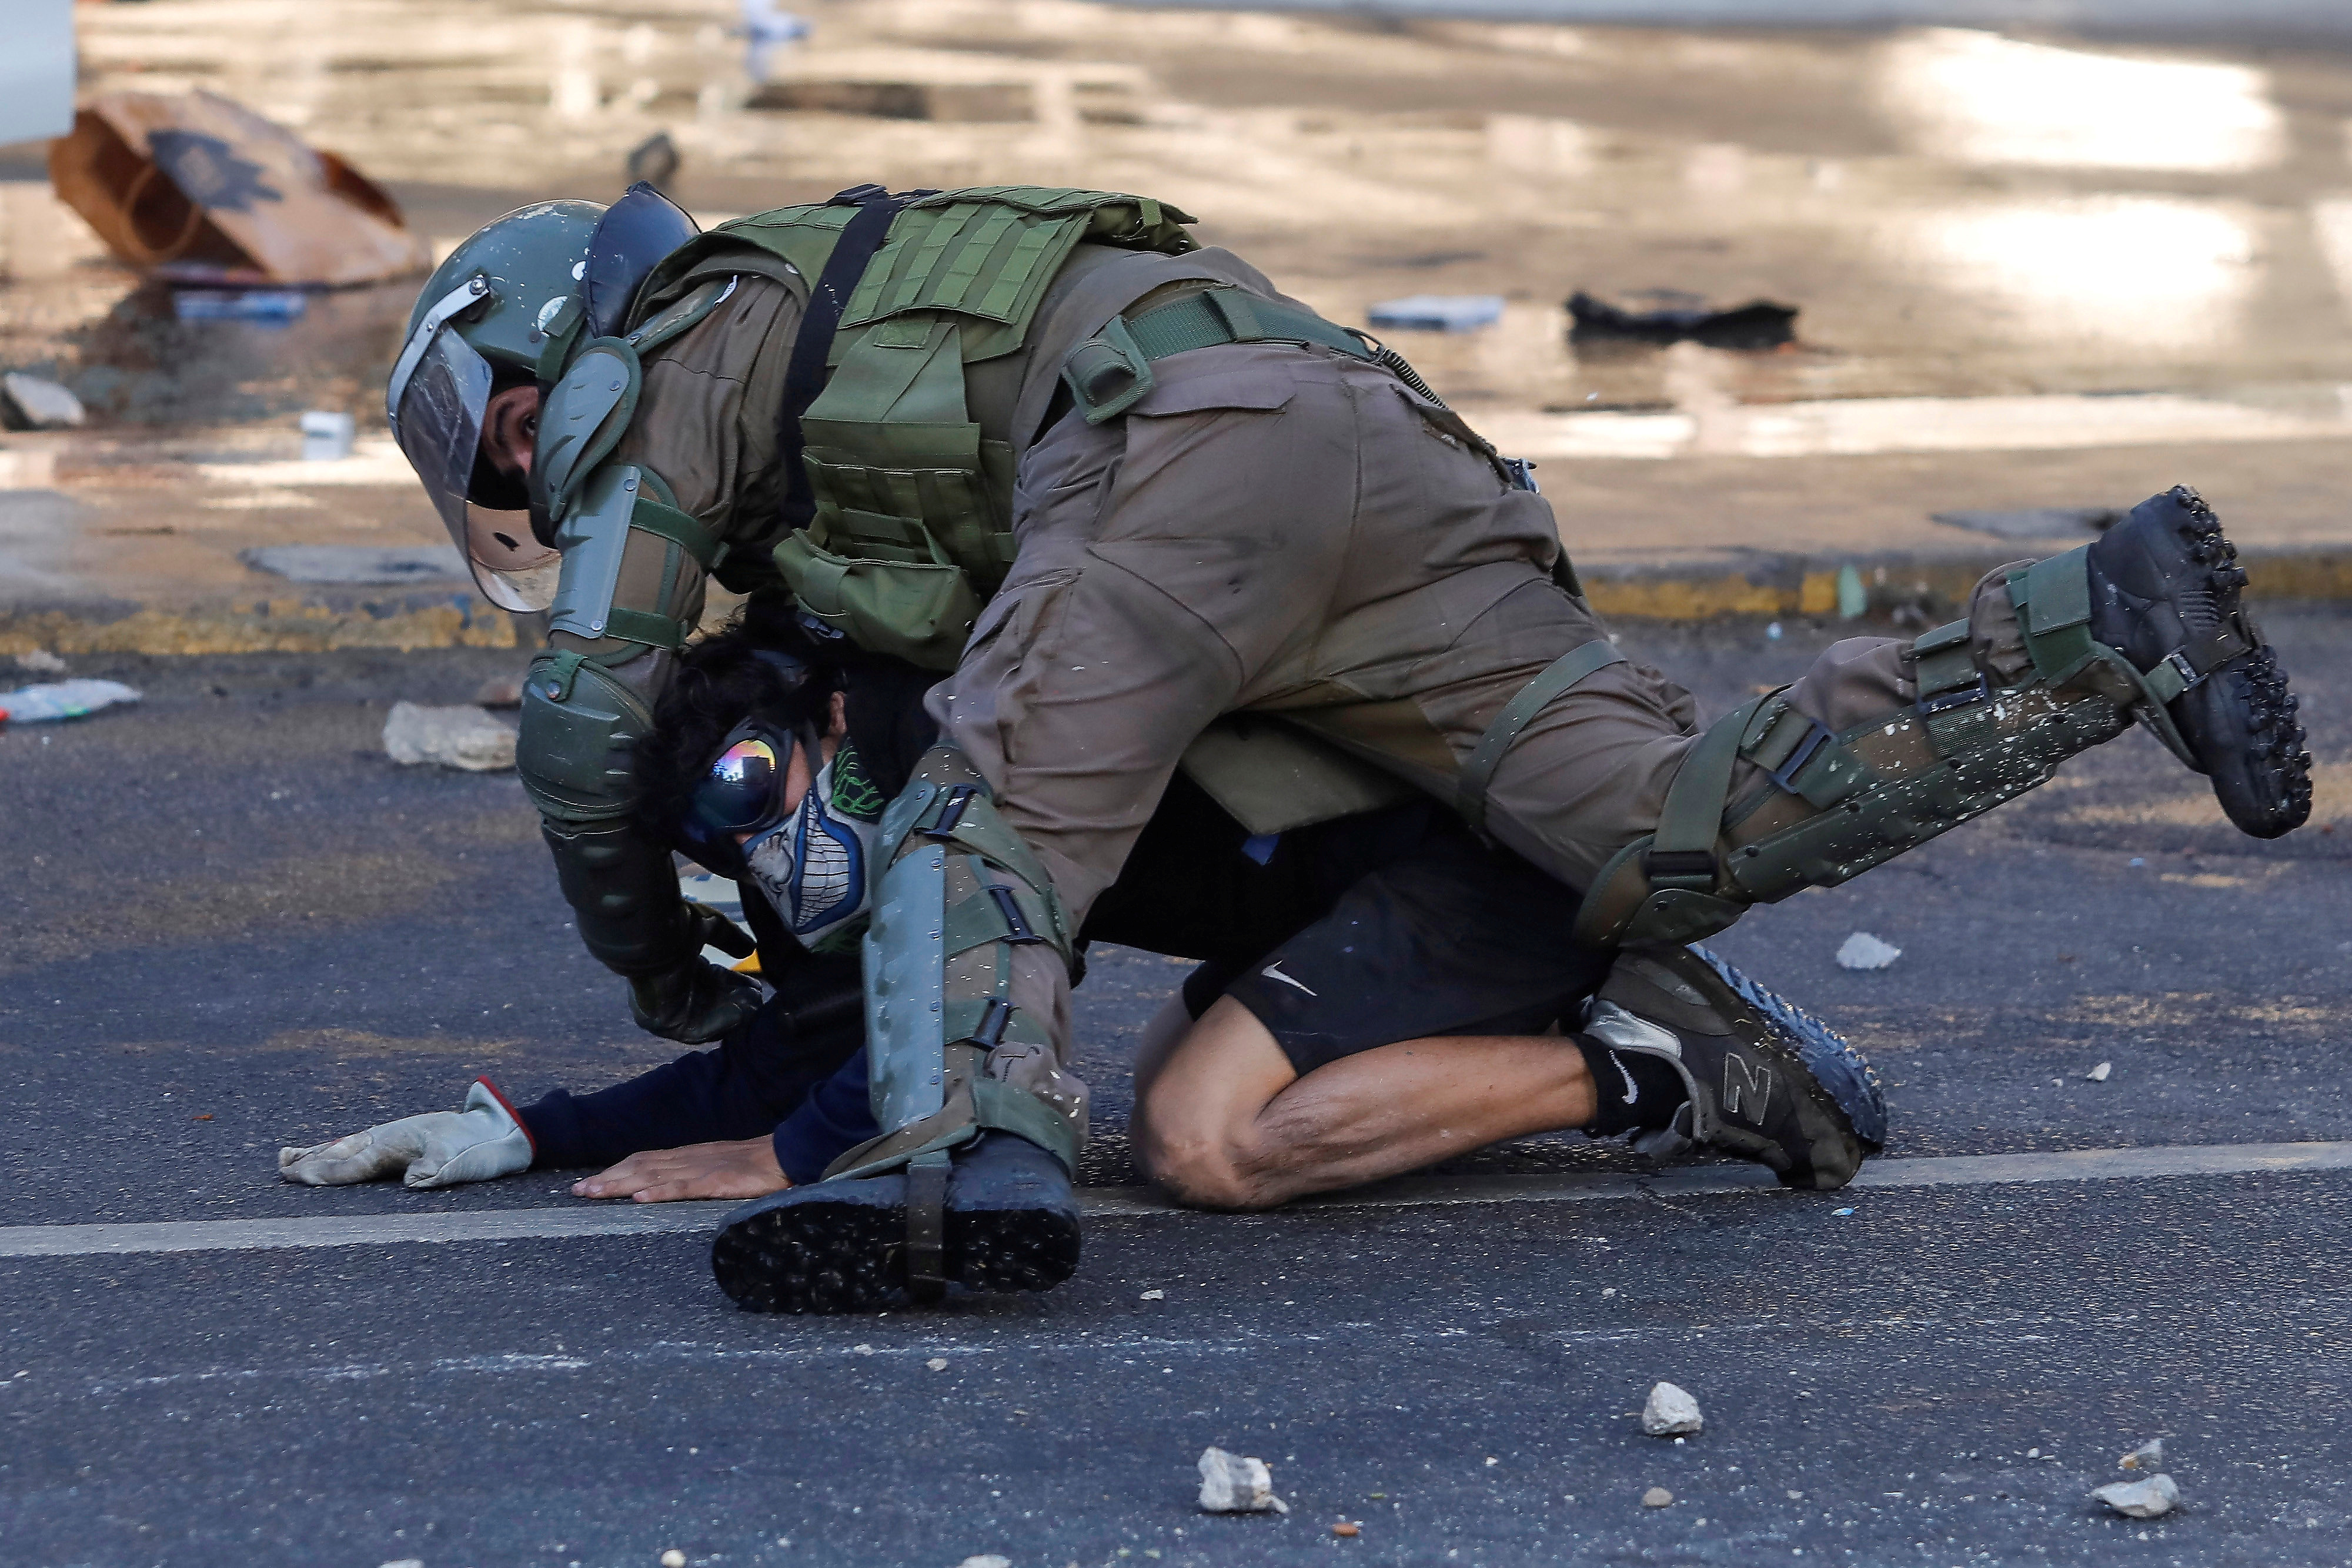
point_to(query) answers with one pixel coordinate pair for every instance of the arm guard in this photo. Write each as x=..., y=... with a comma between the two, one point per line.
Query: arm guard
x=580, y=723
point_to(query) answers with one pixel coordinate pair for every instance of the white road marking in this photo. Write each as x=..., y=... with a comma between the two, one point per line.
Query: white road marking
x=1132, y=1202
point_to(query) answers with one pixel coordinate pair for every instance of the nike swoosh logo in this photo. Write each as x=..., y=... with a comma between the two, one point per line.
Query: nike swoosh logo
x=1632, y=1089
x=1273, y=972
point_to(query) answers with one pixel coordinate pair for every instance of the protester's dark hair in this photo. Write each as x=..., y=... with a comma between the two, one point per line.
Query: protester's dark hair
x=760, y=664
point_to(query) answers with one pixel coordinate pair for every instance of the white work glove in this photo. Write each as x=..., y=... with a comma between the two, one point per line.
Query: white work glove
x=440, y=1148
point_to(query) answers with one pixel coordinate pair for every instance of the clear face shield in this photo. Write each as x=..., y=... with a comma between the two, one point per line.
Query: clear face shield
x=439, y=390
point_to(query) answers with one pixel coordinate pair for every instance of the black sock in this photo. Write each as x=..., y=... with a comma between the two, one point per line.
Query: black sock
x=1630, y=1088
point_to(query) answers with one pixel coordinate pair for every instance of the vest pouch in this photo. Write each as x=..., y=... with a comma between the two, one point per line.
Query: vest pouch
x=916, y=611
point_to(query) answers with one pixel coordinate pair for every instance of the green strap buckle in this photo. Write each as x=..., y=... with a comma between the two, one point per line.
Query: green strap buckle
x=1109, y=372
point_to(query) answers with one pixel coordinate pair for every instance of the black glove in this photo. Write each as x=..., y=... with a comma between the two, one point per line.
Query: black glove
x=697, y=1001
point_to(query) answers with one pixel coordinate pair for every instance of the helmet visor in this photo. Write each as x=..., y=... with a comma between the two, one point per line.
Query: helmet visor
x=438, y=423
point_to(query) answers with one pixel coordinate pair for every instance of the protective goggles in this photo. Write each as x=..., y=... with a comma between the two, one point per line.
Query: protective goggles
x=743, y=793
x=435, y=402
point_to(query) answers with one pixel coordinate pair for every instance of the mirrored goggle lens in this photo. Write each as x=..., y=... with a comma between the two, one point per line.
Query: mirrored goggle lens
x=740, y=788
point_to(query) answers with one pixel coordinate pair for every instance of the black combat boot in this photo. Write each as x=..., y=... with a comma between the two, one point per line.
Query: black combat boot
x=1766, y=1081
x=1009, y=1221
x=2164, y=589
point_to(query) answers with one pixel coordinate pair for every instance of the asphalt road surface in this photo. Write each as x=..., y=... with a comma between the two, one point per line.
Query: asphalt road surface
x=228, y=922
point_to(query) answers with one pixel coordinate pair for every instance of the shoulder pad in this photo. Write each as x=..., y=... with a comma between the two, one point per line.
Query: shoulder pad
x=582, y=418
x=683, y=316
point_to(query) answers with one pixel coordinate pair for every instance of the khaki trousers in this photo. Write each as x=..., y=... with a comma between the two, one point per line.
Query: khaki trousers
x=1288, y=531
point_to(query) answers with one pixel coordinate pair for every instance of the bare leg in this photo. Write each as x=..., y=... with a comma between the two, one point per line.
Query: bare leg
x=1223, y=1122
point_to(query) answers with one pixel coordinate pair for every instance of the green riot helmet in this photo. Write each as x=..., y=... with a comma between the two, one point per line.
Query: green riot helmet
x=487, y=317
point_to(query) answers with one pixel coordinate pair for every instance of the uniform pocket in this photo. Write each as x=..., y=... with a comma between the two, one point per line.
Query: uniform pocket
x=915, y=610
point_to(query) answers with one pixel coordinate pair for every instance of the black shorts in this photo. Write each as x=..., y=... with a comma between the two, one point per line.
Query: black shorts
x=1398, y=925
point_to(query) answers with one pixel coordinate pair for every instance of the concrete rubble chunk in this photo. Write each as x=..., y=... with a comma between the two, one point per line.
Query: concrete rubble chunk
x=1232, y=1483
x=2099, y=1074
x=1657, y=1497
x=33, y=403
x=461, y=737
x=1863, y=951
x=986, y=1560
x=41, y=662
x=2148, y=1456
x=2152, y=1499
x=1670, y=1413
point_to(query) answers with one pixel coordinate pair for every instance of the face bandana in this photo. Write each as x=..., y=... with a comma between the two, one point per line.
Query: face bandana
x=812, y=865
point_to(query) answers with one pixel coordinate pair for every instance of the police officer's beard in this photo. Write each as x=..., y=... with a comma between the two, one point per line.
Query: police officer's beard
x=812, y=865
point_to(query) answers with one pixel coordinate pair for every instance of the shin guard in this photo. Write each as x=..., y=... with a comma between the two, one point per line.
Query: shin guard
x=1830, y=806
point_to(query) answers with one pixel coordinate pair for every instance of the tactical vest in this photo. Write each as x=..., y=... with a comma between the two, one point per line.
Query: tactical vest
x=906, y=467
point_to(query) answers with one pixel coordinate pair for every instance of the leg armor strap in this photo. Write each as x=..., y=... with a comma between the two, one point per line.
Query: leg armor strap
x=959, y=892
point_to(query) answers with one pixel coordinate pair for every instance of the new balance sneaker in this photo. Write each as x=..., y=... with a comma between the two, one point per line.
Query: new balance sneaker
x=2164, y=587
x=1766, y=1081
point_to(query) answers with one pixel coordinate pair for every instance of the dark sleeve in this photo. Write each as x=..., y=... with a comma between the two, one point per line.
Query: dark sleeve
x=835, y=1119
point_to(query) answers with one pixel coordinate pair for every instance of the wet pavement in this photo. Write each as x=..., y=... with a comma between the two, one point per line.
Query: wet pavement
x=2031, y=269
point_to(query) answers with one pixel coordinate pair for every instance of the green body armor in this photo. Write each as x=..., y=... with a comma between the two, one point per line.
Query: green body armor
x=909, y=450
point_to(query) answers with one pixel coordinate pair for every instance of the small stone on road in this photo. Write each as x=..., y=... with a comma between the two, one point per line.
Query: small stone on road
x=1670, y=1413
x=2150, y=1499
x=1233, y=1483
x=1863, y=951
x=463, y=737
x=2148, y=1456
x=1657, y=1497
